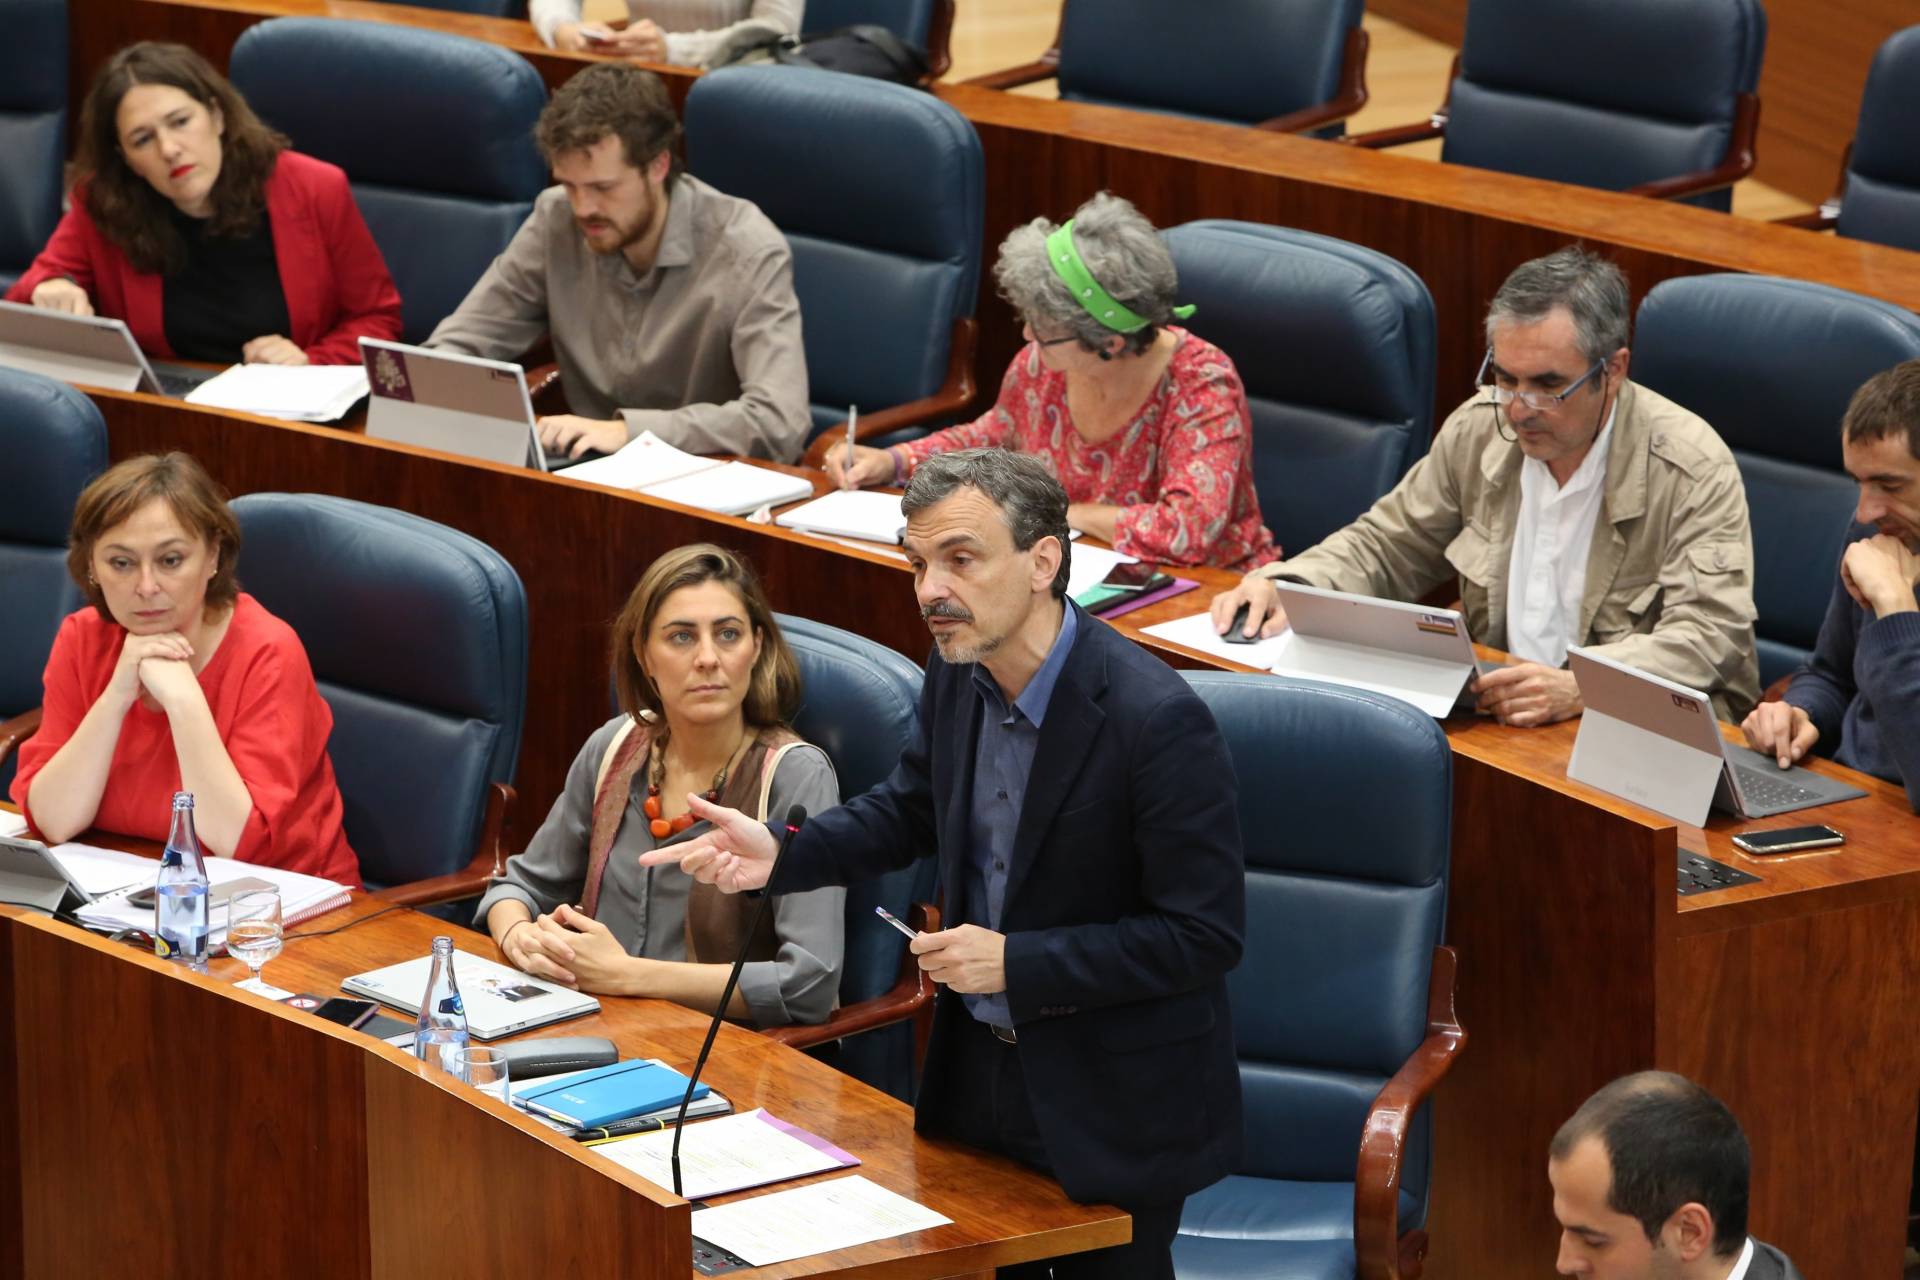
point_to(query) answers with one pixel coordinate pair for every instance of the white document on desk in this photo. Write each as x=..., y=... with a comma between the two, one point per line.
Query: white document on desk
x=1195, y=631
x=809, y=1220
x=728, y=1154
x=651, y=466
x=103, y=871
x=1087, y=565
x=11, y=824
x=297, y=393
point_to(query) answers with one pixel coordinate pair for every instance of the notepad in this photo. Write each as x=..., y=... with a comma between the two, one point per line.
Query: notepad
x=297, y=393
x=820, y=1218
x=607, y=1094
x=729, y=1154
x=301, y=896
x=849, y=513
x=647, y=464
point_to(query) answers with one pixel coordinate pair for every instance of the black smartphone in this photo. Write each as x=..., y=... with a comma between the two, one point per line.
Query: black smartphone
x=1131, y=577
x=1236, y=629
x=1764, y=844
x=348, y=1013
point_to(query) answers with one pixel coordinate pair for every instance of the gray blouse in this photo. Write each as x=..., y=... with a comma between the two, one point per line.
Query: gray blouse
x=646, y=908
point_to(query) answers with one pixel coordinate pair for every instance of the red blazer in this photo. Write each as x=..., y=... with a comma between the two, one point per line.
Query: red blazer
x=335, y=280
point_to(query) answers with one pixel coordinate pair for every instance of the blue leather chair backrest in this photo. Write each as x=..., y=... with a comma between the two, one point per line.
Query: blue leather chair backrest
x=33, y=129
x=434, y=131
x=911, y=20
x=1882, y=198
x=1771, y=365
x=1346, y=805
x=1334, y=344
x=1241, y=61
x=1603, y=93
x=859, y=704
x=417, y=635
x=886, y=256
x=56, y=444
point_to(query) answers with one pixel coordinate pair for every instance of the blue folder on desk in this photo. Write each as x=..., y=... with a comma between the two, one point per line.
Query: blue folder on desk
x=630, y=1088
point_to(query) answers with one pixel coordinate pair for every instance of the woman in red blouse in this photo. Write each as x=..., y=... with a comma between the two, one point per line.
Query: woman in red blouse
x=174, y=680
x=1145, y=424
x=193, y=223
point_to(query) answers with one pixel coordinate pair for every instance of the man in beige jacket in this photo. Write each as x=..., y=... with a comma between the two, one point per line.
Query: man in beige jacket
x=1572, y=507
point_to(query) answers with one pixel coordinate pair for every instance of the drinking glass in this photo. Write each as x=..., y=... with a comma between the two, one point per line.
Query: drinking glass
x=484, y=1069
x=254, y=928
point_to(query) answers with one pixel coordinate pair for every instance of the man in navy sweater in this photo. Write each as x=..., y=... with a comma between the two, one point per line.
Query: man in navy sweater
x=1861, y=691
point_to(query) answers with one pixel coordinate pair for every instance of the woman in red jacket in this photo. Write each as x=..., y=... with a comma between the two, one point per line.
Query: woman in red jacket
x=193, y=223
x=173, y=679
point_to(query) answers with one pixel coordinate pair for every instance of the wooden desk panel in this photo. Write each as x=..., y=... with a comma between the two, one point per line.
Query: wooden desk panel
x=403, y=1171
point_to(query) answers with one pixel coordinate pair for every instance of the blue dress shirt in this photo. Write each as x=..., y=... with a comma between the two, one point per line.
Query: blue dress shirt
x=1001, y=765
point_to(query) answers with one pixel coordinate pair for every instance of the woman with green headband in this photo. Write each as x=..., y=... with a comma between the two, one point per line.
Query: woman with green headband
x=1145, y=424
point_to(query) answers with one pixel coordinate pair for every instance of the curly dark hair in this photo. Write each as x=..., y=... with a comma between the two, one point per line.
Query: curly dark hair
x=127, y=209
x=612, y=99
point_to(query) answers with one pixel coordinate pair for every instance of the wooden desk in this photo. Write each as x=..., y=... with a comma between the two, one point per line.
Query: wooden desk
x=1462, y=230
x=1578, y=961
x=171, y=1119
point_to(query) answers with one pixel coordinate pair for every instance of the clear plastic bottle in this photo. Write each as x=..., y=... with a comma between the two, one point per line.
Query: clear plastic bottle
x=180, y=906
x=442, y=1026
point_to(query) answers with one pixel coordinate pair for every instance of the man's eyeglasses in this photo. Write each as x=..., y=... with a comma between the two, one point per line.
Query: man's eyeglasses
x=1538, y=401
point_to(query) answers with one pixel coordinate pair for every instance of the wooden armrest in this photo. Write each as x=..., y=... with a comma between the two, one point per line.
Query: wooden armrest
x=954, y=395
x=1433, y=126
x=489, y=860
x=1737, y=163
x=1822, y=219
x=1045, y=68
x=1778, y=689
x=1348, y=97
x=17, y=730
x=1381, y=1253
x=940, y=40
x=545, y=391
x=911, y=992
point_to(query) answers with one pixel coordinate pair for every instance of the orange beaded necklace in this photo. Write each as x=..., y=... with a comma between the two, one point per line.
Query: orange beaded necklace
x=662, y=827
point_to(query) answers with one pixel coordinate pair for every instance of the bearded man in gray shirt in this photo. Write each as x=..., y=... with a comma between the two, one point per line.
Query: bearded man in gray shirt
x=670, y=305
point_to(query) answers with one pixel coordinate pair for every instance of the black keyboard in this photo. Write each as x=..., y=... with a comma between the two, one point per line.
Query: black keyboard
x=1704, y=875
x=1760, y=788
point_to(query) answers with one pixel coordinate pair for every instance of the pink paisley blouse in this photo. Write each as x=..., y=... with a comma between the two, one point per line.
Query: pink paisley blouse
x=1181, y=472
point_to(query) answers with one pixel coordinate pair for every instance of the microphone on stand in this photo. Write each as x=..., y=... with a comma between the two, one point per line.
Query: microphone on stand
x=795, y=816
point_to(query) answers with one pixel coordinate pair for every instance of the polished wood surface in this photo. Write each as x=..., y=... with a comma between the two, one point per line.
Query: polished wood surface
x=133, y=1063
x=1577, y=960
x=1462, y=230
x=1810, y=81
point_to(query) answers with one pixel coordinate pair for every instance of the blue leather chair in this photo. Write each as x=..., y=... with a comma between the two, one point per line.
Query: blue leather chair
x=1343, y=1002
x=56, y=445
x=924, y=24
x=1771, y=365
x=33, y=129
x=1284, y=65
x=434, y=131
x=1652, y=97
x=1334, y=343
x=417, y=635
x=860, y=704
x=886, y=256
x=1879, y=194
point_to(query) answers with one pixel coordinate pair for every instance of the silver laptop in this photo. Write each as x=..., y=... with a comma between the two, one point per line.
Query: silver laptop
x=458, y=404
x=1657, y=744
x=30, y=876
x=499, y=1001
x=95, y=350
x=1408, y=651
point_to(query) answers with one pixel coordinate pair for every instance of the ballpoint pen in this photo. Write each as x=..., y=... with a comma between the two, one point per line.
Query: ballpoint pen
x=846, y=460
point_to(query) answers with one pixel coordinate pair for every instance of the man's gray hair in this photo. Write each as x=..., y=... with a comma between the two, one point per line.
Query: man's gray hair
x=1122, y=251
x=1591, y=288
x=1031, y=501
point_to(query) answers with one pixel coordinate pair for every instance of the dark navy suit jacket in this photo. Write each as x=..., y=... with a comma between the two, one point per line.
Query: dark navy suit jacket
x=1125, y=910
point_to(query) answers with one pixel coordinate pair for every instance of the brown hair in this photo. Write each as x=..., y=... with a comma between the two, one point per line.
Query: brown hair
x=617, y=100
x=197, y=502
x=773, y=691
x=1886, y=404
x=130, y=213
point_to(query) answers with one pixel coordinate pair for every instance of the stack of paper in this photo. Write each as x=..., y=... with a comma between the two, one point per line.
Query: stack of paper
x=821, y=1218
x=121, y=874
x=850, y=513
x=729, y=1154
x=297, y=393
x=650, y=465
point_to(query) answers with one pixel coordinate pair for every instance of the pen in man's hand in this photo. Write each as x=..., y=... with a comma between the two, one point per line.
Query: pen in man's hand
x=846, y=459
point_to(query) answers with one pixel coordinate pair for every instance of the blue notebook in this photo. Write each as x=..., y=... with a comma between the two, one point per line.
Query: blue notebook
x=624, y=1089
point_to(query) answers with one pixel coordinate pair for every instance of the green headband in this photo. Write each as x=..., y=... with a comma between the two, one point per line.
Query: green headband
x=1097, y=302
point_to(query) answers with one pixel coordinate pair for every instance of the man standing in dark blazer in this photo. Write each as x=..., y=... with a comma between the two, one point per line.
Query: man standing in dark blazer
x=1082, y=805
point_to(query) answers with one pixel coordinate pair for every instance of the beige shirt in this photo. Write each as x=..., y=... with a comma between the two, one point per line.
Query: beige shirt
x=703, y=350
x=1669, y=577
x=694, y=28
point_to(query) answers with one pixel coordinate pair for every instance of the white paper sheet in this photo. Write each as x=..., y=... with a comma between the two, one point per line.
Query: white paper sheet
x=814, y=1219
x=728, y=1154
x=642, y=461
x=1090, y=564
x=11, y=824
x=103, y=871
x=299, y=393
x=849, y=513
x=1196, y=632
